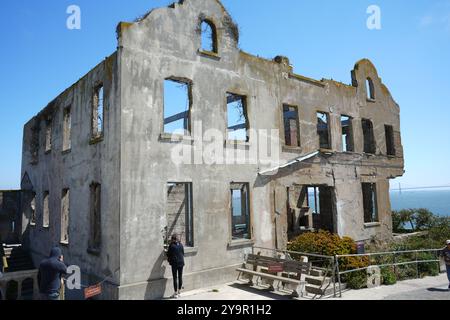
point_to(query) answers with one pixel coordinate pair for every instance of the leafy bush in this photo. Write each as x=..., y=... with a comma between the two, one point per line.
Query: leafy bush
x=424, y=219
x=416, y=219
x=438, y=233
x=429, y=269
x=388, y=276
x=356, y=280
x=324, y=243
x=405, y=272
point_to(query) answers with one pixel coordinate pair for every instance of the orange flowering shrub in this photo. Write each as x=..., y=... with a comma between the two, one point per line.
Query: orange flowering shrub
x=324, y=243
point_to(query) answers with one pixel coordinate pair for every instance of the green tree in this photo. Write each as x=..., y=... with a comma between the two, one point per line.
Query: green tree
x=397, y=223
x=424, y=219
x=403, y=217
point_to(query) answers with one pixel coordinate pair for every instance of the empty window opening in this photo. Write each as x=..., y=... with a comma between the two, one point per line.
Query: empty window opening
x=238, y=123
x=48, y=134
x=323, y=130
x=369, y=138
x=291, y=126
x=65, y=214
x=209, y=36
x=369, y=191
x=33, y=209
x=98, y=112
x=317, y=208
x=95, y=217
x=179, y=212
x=177, y=107
x=390, y=144
x=240, y=211
x=313, y=199
x=347, y=134
x=370, y=89
x=46, y=211
x=67, y=129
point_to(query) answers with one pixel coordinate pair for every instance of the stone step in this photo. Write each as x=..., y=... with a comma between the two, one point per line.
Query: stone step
x=325, y=291
x=318, y=281
x=18, y=259
x=316, y=273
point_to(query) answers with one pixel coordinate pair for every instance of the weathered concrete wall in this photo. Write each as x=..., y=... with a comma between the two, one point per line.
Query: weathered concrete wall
x=10, y=216
x=76, y=169
x=133, y=162
x=163, y=45
x=166, y=44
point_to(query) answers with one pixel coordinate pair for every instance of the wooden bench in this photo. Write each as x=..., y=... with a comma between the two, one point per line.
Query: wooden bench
x=287, y=273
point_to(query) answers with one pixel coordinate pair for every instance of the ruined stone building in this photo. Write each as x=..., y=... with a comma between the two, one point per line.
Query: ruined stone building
x=97, y=163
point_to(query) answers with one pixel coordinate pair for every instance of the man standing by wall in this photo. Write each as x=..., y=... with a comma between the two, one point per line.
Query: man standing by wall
x=50, y=272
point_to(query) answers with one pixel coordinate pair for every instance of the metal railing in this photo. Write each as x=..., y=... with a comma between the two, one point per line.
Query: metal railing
x=395, y=261
x=330, y=265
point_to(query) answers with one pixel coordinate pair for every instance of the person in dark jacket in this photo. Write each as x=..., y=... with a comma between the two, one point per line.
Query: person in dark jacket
x=446, y=255
x=50, y=272
x=2, y=254
x=175, y=255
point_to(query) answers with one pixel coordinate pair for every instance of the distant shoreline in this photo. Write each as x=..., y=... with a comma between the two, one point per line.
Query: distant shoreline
x=421, y=189
x=437, y=200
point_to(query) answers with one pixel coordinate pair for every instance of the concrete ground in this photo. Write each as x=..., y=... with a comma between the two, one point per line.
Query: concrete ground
x=430, y=288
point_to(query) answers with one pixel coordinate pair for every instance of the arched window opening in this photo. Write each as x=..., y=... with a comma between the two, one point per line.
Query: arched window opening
x=370, y=89
x=209, y=36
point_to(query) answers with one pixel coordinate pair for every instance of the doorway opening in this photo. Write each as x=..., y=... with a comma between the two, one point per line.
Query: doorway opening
x=310, y=208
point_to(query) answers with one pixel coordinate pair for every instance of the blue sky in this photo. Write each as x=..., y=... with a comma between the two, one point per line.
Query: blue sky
x=40, y=57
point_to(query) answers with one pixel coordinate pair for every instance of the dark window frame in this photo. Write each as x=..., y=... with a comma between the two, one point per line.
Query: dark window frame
x=46, y=210
x=48, y=135
x=230, y=99
x=65, y=223
x=189, y=214
x=370, y=203
x=186, y=115
x=95, y=218
x=67, y=129
x=214, y=37
x=349, y=145
x=33, y=209
x=390, y=140
x=370, y=145
x=288, y=116
x=98, y=102
x=370, y=89
x=244, y=189
x=320, y=132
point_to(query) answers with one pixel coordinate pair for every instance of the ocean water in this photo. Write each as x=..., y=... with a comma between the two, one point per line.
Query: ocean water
x=435, y=200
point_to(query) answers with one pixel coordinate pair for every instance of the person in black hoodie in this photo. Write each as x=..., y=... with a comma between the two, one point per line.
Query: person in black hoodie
x=2, y=254
x=50, y=272
x=175, y=255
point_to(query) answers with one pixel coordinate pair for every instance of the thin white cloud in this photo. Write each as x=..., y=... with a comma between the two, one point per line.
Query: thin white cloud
x=437, y=16
x=426, y=21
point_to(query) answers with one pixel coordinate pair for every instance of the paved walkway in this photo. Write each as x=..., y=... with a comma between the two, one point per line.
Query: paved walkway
x=430, y=288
